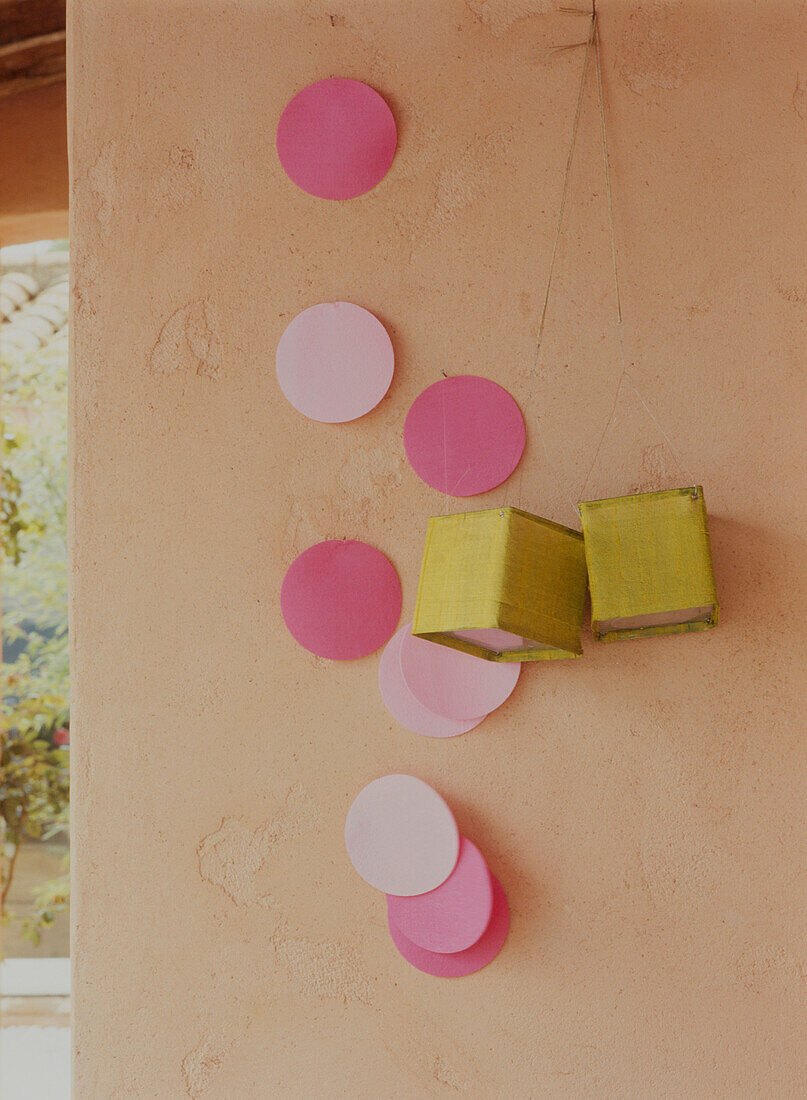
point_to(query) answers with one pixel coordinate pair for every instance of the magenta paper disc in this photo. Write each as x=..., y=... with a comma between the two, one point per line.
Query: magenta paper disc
x=453, y=917
x=402, y=704
x=457, y=965
x=336, y=138
x=341, y=599
x=334, y=362
x=453, y=684
x=464, y=435
x=401, y=835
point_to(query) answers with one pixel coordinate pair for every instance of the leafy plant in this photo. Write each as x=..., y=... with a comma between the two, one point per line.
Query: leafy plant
x=50, y=900
x=34, y=780
x=16, y=518
x=35, y=785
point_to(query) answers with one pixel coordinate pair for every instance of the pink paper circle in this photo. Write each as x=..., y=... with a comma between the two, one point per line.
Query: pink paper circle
x=453, y=917
x=341, y=599
x=402, y=704
x=334, y=362
x=453, y=684
x=460, y=963
x=464, y=435
x=401, y=835
x=336, y=138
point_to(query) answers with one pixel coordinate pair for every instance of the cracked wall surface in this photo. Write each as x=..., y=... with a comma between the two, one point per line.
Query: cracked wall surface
x=644, y=806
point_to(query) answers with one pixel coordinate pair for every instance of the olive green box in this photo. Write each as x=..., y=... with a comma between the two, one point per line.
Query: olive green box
x=649, y=564
x=503, y=585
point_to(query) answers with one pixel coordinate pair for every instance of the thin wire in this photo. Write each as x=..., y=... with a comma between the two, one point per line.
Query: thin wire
x=607, y=166
x=625, y=375
x=553, y=256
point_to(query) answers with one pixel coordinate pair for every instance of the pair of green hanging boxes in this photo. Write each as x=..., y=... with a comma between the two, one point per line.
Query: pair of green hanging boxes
x=508, y=586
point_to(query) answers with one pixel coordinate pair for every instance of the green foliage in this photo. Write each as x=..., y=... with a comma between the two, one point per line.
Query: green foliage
x=34, y=782
x=16, y=517
x=50, y=900
x=34, y=791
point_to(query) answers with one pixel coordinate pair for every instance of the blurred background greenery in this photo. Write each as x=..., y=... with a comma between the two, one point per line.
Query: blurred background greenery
x=34, y=781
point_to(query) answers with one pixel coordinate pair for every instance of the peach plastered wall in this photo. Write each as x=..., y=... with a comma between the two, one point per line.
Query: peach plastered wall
x=643, y=806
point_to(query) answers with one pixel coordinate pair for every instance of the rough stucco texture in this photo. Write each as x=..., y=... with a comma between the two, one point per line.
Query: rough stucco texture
x=644, y=806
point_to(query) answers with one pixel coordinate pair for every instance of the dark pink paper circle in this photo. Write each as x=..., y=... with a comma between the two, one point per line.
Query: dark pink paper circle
x=402, y=704
x=464, y=435
x=460, y=963
x=454, y=684
x=453, y=917
x=336, y=138
x=341, y=599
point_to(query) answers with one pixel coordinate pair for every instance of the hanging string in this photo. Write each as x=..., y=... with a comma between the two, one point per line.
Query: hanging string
x=553, y=257
x=593, y=42
x=625, y=376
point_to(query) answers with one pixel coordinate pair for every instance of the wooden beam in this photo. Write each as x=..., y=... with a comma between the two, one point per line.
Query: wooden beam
x=32, y=63
x=21, y=19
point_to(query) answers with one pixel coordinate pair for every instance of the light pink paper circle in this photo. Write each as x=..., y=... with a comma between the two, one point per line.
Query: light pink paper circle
x=401, y=835
x=336, y=138
x=341, y=599
x=402, y=704
x=334, y=362
x=453, y=917
x=464, y=435
x=453, y=684
x=457, y=965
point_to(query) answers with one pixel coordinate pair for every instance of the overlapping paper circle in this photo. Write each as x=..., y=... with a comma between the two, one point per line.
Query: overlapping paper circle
x=401, y=836
x=447, y=914
x=403, y=705
x=464, y=435
x=454, y=684
x=336, y=138
x=454, y=915
x=461, y=963
x=433, y=690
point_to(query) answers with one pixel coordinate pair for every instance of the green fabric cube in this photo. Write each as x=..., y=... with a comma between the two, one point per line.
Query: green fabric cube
x=503, y=585
x=649, y=564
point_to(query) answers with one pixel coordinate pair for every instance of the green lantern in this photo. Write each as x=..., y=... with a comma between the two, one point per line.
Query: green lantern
x=503, y=585
x=649, y=564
